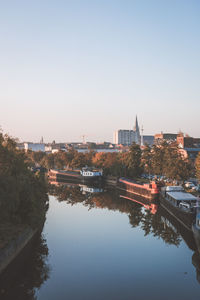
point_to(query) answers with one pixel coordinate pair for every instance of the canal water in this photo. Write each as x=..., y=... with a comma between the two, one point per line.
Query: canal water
x=101, y=245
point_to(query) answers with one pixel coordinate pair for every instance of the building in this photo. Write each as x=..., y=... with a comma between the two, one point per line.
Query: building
x=148, y=140
x=189, y=147
x=190, y=153
x=34, y=147
x=124, y=137
x=187, y=141
x=127, y=137
x=20, y=146
x=168, y=137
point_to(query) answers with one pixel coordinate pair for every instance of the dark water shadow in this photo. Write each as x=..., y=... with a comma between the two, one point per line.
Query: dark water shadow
x=27, y=272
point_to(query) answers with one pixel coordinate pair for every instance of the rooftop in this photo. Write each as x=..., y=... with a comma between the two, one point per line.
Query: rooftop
x=182, y=196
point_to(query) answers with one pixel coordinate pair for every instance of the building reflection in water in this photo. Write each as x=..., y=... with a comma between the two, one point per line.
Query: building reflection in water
x=27, y=273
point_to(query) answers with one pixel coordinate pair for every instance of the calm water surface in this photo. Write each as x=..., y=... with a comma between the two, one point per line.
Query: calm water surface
x=102, y=246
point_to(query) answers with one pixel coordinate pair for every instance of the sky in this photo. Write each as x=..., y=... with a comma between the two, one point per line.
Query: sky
x=73, y=68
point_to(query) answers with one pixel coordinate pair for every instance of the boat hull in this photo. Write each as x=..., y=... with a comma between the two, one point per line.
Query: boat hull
x=186, y=218
x=138, y=189
x=67, y=176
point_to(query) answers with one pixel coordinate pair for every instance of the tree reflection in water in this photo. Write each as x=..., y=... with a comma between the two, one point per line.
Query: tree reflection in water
x=138, y=216
x=33, y=269
x=196, y=264
x=160, y=223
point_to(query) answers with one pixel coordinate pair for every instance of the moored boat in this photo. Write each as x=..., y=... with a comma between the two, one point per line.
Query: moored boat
x=180, y=204
x=89, y=174
x=147, y=190
x=84, y=175
x=62, y=176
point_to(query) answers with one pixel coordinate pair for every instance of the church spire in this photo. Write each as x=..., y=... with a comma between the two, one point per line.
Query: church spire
x=136, y=129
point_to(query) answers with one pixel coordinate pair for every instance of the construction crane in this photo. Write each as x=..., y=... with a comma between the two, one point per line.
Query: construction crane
x=84, y=138
x=142, y=137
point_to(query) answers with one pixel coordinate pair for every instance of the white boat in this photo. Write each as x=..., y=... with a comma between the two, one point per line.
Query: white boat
x=89, y=173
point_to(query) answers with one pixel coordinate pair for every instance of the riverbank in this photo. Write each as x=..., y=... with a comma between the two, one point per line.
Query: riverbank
x=18, y=237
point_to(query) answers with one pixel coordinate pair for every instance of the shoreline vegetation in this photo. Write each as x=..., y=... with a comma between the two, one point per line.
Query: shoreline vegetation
x=163, y=160
x=23, y=197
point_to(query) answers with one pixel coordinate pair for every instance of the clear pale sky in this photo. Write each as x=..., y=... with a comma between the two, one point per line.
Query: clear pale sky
x=69, y=68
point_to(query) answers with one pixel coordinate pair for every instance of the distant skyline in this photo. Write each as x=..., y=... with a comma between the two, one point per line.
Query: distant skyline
x=73, y=68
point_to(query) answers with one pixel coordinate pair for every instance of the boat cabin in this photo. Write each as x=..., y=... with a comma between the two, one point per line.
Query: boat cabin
x=88, y=172
x=179, y=198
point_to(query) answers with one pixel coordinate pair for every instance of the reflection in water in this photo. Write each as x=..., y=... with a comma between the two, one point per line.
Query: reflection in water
x=150, y=205
x=196, y=264
x=27, y=273
x=152, y=218
x=147, y=215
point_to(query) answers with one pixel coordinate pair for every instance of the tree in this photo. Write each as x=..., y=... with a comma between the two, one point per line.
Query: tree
x=78, y=160
x=37, y=156
x=99, y=159
x=133, y=161
x=197, y=166
x=23, y=193
x=59, y=160
x=89, y=157
x=48, y=161
x=147, y=159
x=157, y=160
x=166, y=160
x=111, y=163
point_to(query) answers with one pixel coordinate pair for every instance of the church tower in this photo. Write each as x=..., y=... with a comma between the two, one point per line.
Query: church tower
x=136, y=130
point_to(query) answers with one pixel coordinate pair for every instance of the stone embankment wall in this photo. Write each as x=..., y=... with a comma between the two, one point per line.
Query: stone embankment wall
x=10, y=252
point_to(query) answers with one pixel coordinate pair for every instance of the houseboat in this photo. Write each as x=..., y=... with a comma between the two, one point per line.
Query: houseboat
x=180, y=204
x=63, y=176
x=84, y=175
x=147, y=190
x=89, y=174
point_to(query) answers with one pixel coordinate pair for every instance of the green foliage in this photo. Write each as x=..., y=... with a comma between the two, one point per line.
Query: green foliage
x=163, y=159
x=70, y=159
x=147, y=159
x=166, y=160
x=197, y=166
x=157, y=159
x=133, y=161
x=48, y=161
x=111, y=163
x=23, y=193
x=78, y=160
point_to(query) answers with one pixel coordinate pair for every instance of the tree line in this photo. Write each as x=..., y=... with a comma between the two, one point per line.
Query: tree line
x=163, y=160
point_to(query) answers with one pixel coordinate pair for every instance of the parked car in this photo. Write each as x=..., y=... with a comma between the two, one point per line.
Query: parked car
x=196, y=188
x=189, y=185
x=145, y=176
